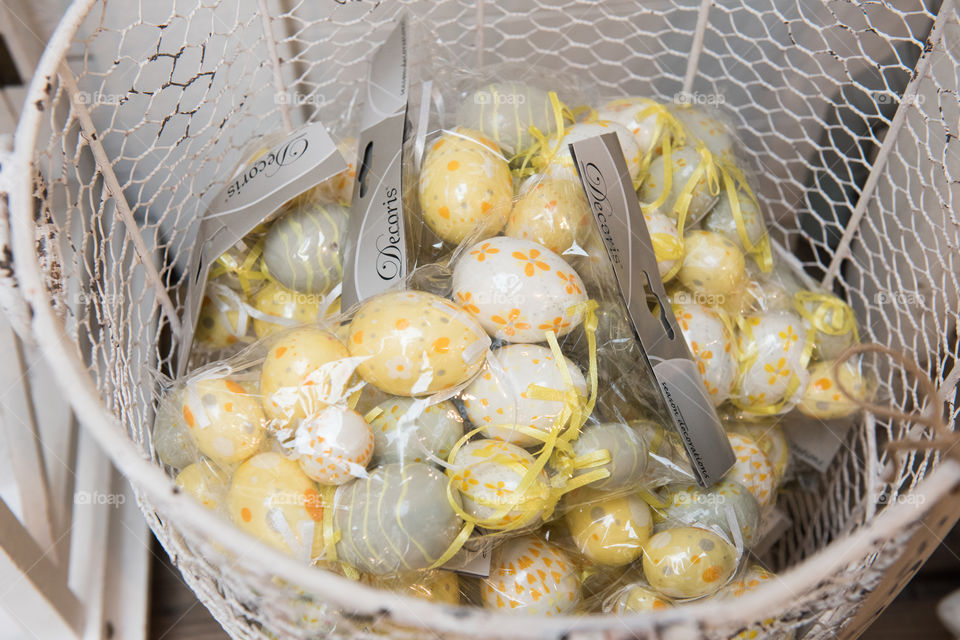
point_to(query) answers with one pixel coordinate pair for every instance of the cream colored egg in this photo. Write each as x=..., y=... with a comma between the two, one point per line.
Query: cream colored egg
x=304, y=371
x=822, y=397
x=550, y=212
x=284, y=308
x=773, y=356
x=712, y=264
x=415, y=343
x=714, y=508
x=225, y=420
x=636, y=114
x=627, y=451
x=517, y=289
x=684, y=162
x=667, y=247
x=687, y=562
x=752, y=469
x=532, y=576
x=410, y=429
x=334, y=445
x=750, y=225
x=505, y=111
x=711, y=344
x=772, y=441
x=608, y=531
x=273, y=500
x=171, y=435
x=710, y=126
x=219, y=325
x=464, y=186
x=488, y=475
x=205, y=484
x=506, y=396
x=637, y=597
x=559, y=162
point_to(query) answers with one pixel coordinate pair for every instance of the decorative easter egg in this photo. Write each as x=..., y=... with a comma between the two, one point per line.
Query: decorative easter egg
x=334, y=445
x=273, y=500
x=488, y=476
x=752, y=469
x=822, y=397
x=773, y=354
x=687, y=562
x=505, y=111
x=205, y=484
x=770, y=438
x=712, y=264
x=692, y=505
x=832, y=319
x=711, y=344
x=709, y=126
x=304, y=371
x=553, y=213
x=721, y=220
x=219, y=324
x=396, y=519
x=463, y=186
x=560, y=163
x=608, y=531
x=409, y=429
x=532, y=576
x=302, y=249
x=638, y=115
x=503, y=398
x=339, y=188
x=517, y=289
x=749, y=580
x=627, y=449
x=636, y=597
x=667, y=247
x=435, y=586
x=283, y=308
x=171, y=435
x=415, y=343
x=684, y=162
x=226, y=421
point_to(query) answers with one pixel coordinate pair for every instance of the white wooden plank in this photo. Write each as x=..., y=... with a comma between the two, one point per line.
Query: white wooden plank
x=127, y=579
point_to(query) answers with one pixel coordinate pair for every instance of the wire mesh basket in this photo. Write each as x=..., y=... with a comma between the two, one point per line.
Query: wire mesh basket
x=851, y=109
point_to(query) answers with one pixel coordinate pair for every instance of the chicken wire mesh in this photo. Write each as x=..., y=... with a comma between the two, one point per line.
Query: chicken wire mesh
x=850, y=110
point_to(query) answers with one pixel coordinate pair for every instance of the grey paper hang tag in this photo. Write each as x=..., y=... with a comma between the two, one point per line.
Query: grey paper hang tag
x=375, y=252
x=284, y=170
x=619, y=218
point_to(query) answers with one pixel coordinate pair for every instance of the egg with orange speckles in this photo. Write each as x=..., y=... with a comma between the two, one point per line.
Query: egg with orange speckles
x=688, y=562
x=684, y=162
x=550, y=212
x=503, y=398
x=667, y=248
x=410, y=429
x=608, y=530
x=531, y=576
x=560, y=163
x=412, y=343
x=465, y=185
x=691, y=504
x=712, y=264
x=822, y=397
x=225, y=421
x=752, y=469
x=751, y=579
x=304, y=371
x=637, y=597
x=773, y=442
x=517, y=289
x=638, y=115
x=272, y=499
x=334, y=444
x=711, y=344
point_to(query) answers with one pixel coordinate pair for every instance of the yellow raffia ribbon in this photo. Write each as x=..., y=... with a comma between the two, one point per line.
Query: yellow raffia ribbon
x=734, y=182
x=245, y=271
x=816, y=307
x=667, y=130
x=528, y=161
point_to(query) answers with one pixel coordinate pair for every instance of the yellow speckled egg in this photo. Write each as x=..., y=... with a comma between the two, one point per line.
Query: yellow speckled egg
x=609, y=531
x=553, y=213
x=752, y=469
x=218, y=325
x=772, y=441
x=532, y=576
x=226, y=422
x=710, y=126
x=273, y=500
x=303, y=372
x=687, y=562
x=464, y=185
x=637, y=597
x=415, y=343
x=205, y=484
x=334, y=445
x=711, y=344
x=749, y=580
x=773, y=359
x=409, y=429
x=822, y=397
x=693, y=505
x=561, y=162
x=488, y=473
x=712, y=264
x=286, y=308
x=685, y=162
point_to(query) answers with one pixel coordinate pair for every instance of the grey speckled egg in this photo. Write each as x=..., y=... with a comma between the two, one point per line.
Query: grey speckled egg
x=302, y=249
x=628, y=454
x=691, y=505
x=396, y=519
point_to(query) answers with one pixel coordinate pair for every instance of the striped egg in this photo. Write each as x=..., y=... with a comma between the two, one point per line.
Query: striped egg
x=711, y=344
x=504, y=396
x=532, y=576
x=692, y=505
x=684, y=162
x=627, y=450
x=608, y=530
x=560, y=162
x=273, y=500
x=712, y=265
x=465, y=185
x=550, y=212
x=226, y=422
x=409, y=429
x=667, y=248
x=396, y=519
x=414, y=343
x=206, y=485
x=752, y=469
x=822, y=397
x=636, y=597
x=517, y=289
x=282, y=308
x=687, y=562
x=488, y=475
x=505, y=111
x=302, y=248
x=773, y=358
x=627, y=112
x=709, y=126
x=334, y=445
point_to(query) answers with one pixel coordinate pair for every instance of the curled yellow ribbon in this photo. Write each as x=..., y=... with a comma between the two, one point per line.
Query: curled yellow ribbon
x=734, y=182
x=246, y=270
x=538, y=155
x=817, y=307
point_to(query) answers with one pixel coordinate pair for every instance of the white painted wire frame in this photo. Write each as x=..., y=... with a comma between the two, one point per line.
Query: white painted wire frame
x=138, y=112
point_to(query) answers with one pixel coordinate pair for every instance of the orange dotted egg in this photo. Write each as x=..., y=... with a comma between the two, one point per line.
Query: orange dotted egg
x=822, y=397
x=688, y=562
x=532, y=576
x=224, y=420
x=752, y=469
x=334, y=444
